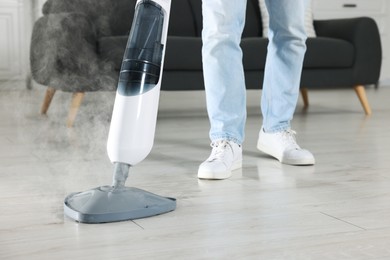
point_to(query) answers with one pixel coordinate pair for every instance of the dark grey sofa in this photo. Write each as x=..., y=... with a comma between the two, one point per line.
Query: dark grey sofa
x=77, y=46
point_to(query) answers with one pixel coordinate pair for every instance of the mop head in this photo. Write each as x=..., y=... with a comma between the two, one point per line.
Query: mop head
x=109, y=204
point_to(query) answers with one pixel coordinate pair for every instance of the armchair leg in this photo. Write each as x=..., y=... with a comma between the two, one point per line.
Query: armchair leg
x=47, y=100
x=74, y=107
x=305, y=97
x=361, y=93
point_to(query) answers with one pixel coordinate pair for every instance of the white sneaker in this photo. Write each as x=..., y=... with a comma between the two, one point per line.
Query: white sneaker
x=225, y=157
x=283, y=146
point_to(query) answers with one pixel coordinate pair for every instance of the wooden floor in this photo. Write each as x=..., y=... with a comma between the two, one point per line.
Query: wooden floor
x=337, y=209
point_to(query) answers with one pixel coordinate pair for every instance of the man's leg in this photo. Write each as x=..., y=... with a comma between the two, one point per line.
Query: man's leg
x=286, y=50
x=223, y=23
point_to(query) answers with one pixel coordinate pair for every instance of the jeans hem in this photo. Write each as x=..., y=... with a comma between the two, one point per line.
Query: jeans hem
x=277, y=129
x=226, y=137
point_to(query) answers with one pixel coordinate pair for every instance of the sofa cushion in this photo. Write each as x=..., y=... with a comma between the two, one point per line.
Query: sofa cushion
x=254, y=52
x=179, y=58
x=321, y=53
x=111, y=49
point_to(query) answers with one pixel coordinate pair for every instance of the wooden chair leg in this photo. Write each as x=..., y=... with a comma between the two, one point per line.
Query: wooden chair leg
x=74, y=107
x=47, y=100
x=305, y=97
x=361, y=93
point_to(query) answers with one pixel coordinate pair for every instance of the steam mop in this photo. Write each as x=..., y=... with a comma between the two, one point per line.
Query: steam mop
x=133, y=124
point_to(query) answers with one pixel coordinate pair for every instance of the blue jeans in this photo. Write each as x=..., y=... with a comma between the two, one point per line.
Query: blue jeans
x=223, y=23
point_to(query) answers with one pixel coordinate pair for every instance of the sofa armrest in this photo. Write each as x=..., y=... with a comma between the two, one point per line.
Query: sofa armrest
x=363, y=33
x=63, y=51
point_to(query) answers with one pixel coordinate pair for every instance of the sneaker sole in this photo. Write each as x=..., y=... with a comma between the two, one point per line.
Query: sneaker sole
x=299, y=162
x=209, y=175
x=270, y=151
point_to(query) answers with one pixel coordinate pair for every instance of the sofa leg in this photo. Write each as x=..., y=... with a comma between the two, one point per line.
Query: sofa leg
x=47, y=100
x=305, y=97
x=361, y=93
x=74, y=107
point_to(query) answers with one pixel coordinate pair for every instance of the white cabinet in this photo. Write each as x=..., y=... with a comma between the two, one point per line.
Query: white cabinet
x=379, y=10
x=15, y=31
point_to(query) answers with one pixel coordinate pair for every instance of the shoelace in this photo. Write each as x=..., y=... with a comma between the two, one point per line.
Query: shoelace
x=289, y=139
x=219, y=148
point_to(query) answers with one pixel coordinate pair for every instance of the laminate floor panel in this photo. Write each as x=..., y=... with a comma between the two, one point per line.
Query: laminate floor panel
x=336, y=209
